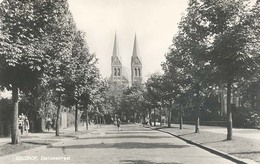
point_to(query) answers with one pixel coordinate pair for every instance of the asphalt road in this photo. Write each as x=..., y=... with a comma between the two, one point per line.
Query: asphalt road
x=134, y=144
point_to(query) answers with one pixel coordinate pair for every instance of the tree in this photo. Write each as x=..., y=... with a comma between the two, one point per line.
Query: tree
x=255, y=46
x=21, y=54
x=98, y=97
x=230, y=55
x=184, y=62
x=60, y=22
x=37, y=40
x=217, y=36
x=132, y=103
x=155, y=93
x=81, y=72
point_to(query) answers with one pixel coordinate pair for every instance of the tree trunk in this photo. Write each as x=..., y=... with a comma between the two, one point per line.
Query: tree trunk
x=14, y=128
x=170, y=115
x=197, y=127
x=229, y=111
x=38, y=124
x=58, y=116
x=161, y=116
x=258, y=98
x=154, y=119
x=143, y=119
x=169, y=118
x=127, y=115
x=222, y=96
x=197, y=107
x=87, y=121
x=100, y=121
x=181, y=118
x=150, y=117
x=76, y=117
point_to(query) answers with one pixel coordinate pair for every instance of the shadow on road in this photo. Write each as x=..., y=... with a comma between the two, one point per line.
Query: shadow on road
x=125, y=145
x=213, y=141
x=116, y=137
x=130, y=132
x=145, y=162
x=251, y=152
x=185, y=134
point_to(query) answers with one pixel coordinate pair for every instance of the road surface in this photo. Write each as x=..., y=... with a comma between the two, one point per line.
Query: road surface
x=134, y=144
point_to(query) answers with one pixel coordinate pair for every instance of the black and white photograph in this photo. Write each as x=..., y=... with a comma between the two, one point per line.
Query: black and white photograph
x=129, y=81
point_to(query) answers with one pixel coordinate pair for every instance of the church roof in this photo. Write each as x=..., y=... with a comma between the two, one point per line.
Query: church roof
x=125, y=73
x=135, y=49
x=115, y=49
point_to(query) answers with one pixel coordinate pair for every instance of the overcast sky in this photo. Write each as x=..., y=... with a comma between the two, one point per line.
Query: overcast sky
x=154, y=22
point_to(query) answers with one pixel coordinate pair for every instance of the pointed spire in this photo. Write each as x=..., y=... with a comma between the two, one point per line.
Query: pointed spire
x=115, y=49
x=135, y=47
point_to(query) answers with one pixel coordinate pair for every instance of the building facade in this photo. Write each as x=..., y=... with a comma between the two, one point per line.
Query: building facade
x=119, y=78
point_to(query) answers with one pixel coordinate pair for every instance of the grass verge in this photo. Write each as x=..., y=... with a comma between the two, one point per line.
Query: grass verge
x=7, y=149
x=239, y=147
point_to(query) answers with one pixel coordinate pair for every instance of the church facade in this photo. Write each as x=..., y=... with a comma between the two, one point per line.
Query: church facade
x=119, y=78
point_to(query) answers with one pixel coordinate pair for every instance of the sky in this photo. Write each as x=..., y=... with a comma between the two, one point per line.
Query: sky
x=155, y=23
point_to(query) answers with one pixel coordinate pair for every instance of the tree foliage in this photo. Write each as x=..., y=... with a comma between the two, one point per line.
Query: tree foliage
x=217, y=43
x=41, y=50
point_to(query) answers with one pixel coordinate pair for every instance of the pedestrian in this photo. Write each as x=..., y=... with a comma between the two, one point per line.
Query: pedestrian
x=118, y=122
x=48, y=123
x=26, y=125
x=21, y=124
x=22, y=116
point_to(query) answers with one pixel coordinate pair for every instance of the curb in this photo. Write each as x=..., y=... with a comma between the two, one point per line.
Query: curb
x=69, y=137
x=212, y=150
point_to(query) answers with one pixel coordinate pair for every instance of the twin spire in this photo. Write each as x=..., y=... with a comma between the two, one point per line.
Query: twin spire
x=118, y=73
x=115, y=48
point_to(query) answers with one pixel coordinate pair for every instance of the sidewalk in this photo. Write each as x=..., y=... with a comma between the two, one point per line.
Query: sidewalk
x=244, y=145
x=34, y=140
x=45, y=133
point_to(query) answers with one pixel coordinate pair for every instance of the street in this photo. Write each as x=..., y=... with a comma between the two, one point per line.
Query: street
x=134, y=144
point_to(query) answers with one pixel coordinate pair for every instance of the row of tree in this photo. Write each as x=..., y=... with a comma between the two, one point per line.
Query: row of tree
x=217, y=45
x=45, y=59
x=215, y=52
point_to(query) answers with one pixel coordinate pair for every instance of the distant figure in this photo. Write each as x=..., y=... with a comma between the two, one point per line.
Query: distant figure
x=26, y=125
x=23, y=116
x=118, y=122
x=48, y=123
x=21, y=124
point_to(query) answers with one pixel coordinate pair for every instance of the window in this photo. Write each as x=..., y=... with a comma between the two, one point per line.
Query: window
x=135, y=72
x=118, y=71
x=139, y=71
x=115, y=72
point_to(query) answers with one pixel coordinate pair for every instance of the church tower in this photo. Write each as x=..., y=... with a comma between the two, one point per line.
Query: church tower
x=116, y=64
x=136, y=65
x=119, y=77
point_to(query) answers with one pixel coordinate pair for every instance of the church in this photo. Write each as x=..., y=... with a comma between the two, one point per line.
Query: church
x=119, y=78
